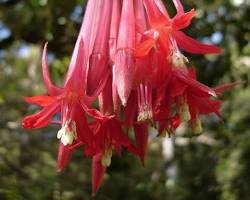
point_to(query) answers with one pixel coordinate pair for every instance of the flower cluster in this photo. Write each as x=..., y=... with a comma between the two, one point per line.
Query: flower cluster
x=129, y=58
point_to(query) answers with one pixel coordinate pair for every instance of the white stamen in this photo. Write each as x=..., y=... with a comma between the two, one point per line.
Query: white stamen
x=178, y=59
x=145, y=114
x=67, y=134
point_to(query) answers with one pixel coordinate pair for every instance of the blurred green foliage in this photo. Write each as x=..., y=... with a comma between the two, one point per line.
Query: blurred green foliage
x=215, y=165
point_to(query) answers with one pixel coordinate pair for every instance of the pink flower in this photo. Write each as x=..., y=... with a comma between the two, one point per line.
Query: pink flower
x=128, y=56
x=124, y=68
x=165, y=32
x=69, y=101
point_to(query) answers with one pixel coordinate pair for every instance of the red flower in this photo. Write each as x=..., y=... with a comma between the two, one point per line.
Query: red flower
x=165, y=32
x=69, y=101
x=107, y=134
x=132, y=61
x=123, y=73
x=98, y=68
x=191, y=99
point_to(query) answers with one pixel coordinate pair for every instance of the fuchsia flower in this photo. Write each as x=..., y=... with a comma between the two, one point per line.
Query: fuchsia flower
x=107, y=134
x=165, y=31
x=124, y=57
x=128, y=56
x=70, y=102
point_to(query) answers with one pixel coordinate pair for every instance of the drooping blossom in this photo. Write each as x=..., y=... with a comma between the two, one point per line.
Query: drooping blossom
x=128, y=57
x=70, y=102
x=164, y=31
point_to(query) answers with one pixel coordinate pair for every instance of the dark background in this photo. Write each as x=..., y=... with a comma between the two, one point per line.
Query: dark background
x=215, y=165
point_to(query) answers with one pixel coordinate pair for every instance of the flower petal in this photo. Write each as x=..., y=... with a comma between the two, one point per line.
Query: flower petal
x=75, y=78
x=63, y=157
x=52, y=90
x=114, y=29
x=156, y=14
x=124, y=70
x=183, y=20
x=98, y=172
x=97, y=72
x=126, y=36
x=41, y=100
x=178, y=6
x=141, y=140
x=148, y=40
x=40, y=119
x=130, y=111
x=190, y=45
x=221, y=88
x=162, y=8
x=207, y=106
x=99, y=58
x=83, y=131
x=115, y=96
x=198, y=87
x=105, y=98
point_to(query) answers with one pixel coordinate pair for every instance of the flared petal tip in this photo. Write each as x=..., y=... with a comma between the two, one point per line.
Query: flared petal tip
x=216, y=50
x=26, y=124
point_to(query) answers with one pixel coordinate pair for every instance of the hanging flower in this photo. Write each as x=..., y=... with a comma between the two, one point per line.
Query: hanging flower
x=165, y=31
x=128, y=55
x=69, y=101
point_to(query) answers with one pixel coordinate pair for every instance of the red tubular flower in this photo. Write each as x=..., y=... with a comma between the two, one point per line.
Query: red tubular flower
x=114, y=31
x=132, y=57
x=98, y=70
x=91, y=23
x=108, y=134
x=88, y=32
x=164, y=30
x=70, y=102
x=114, y=28
x=124, y=58
x=143, y=79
